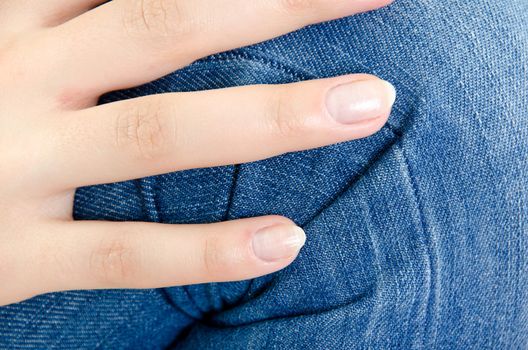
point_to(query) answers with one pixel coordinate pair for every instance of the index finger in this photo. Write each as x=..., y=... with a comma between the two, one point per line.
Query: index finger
x=126, y=43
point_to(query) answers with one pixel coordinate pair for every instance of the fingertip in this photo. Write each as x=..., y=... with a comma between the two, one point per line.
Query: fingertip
x=391, y=93
x=357, y=101
x=278, y=242
x=250, y=248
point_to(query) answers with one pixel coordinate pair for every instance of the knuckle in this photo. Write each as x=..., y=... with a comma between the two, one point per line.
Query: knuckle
x=284, y=120
x=113, y=262
x=146, y=131
x=222, y=260
x=213, y=258
x=157, y=19
x=299, y=6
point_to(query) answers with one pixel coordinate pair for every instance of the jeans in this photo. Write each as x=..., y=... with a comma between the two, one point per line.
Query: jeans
x=417, y=236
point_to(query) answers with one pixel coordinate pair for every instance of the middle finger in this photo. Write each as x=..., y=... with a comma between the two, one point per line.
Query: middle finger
x=168, y=132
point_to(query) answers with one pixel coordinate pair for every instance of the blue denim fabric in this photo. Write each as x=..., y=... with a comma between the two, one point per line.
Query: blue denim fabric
x=417, y=236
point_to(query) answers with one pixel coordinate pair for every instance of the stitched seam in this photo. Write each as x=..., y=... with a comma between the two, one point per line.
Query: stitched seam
x=395, y=138
x=431, y=304
x=236, y=57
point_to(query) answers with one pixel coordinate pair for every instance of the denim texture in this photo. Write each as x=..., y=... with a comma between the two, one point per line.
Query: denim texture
x=417, y=236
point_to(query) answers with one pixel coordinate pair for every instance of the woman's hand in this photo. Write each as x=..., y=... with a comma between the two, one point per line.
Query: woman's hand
x=57, y=57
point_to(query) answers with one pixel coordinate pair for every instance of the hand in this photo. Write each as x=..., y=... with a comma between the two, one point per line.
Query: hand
x=57, y=57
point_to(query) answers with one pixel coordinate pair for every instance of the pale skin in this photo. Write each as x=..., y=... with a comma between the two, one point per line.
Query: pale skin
x=58, y=56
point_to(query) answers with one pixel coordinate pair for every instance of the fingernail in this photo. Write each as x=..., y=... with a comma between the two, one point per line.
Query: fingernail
x=278, y=242
x=360, y=100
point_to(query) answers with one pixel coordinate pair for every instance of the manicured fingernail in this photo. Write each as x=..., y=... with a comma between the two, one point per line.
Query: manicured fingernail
x=360, y=100
x=278, y=242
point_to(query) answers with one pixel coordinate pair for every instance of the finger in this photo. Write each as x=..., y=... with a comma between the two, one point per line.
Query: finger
x=104, y=255
x=163, y=133
x=37, y=13
x=125, y=43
